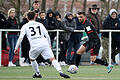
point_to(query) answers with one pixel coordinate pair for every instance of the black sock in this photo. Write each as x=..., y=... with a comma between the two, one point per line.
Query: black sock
x=99, y=61
x=77, y=61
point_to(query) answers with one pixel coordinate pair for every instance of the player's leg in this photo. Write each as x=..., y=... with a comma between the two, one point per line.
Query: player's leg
x=33, y=54
x=48, y=54
x=36, y=69
x=80, y=51
x=94, y=52
x=58, y=67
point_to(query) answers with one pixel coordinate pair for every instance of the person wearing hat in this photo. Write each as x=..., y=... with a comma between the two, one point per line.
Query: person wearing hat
x=111, y=22
x=95, y=19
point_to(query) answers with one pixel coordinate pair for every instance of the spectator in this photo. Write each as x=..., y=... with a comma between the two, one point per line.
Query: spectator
x=119, y=17
x=61, y=57
x=74, y=41
x=112, y=23
x=43, y=19
x=25, y=46
x=94, y=17
x=35, y=6
x=2, y=26
x=12, y=36
x=51, y=22
x=116, y=36
x=69, y=25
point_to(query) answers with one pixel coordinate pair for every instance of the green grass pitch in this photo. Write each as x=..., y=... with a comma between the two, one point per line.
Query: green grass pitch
x=49, y=73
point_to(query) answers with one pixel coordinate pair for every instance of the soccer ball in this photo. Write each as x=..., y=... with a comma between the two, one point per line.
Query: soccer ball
x=72, y=69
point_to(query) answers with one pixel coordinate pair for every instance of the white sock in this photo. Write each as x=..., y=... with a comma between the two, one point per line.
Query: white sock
x=57, y=66
x=35, y=66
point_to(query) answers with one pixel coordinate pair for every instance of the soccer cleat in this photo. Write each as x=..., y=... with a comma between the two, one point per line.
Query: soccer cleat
x=37, y=76
x=109, y=67
x=64, y=75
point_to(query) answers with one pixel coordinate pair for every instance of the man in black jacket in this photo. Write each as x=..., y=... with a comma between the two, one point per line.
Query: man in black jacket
x=51, y=23
x=111, y=22
x=43, y=19
x=93, y=44
x=2, y=26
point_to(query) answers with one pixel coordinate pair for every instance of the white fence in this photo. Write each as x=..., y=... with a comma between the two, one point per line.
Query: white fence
x=57, y=41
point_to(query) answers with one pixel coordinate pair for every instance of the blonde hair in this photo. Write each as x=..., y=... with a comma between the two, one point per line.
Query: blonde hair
x=9, y=11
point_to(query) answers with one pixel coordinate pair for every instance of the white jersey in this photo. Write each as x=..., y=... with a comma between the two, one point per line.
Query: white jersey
x=36, y=34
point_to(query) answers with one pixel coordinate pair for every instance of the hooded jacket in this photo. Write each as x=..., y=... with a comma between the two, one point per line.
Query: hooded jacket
x=109, y=24
x=68, y=25
x=51, y=21
x=2, y=21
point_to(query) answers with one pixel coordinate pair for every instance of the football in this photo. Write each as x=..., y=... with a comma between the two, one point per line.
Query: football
x=72, y=69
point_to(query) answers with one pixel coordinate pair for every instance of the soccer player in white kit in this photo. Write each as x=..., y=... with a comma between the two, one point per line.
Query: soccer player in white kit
x=39, y=44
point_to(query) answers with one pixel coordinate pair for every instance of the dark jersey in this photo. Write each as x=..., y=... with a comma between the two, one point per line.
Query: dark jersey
x=90, y=30
x=93, y=42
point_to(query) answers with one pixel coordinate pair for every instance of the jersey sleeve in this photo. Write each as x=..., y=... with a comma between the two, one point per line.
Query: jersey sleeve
x=22, y=33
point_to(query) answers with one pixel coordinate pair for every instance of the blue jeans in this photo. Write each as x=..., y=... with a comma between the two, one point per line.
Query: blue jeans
x=72, y=44
x=12, y=39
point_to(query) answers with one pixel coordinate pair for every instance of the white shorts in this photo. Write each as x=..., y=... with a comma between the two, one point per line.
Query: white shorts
x=45, y=51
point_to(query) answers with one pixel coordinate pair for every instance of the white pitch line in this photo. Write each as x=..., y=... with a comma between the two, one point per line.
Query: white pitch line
x=23, y=77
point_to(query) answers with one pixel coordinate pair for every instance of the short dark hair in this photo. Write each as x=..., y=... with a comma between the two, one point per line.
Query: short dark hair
x=35, y=1
x=81, y=12
x=31, y=15
x=41, y=12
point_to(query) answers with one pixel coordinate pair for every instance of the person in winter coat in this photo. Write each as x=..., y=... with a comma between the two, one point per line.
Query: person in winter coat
x=43, y=18
x=12, y=36
x=69, y=25
x=3, y=26
x=61, y=57
x=111, y=22
x=94, y=17
x=74, y=41
x=51, y=23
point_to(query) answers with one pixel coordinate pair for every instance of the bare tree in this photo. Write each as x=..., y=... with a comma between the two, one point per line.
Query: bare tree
x=43, y=5
x=105, y=7
x=55, y=5
x=118, y=4
x=72, y=5
x=29, y=4
x=17, y=4
x=84, y=5
x=18, y=10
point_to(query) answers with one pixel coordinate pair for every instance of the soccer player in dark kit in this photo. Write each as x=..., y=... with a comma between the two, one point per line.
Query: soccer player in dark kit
x=93, y=44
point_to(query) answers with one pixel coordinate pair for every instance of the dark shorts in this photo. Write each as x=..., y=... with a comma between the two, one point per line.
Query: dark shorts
x=94, y=47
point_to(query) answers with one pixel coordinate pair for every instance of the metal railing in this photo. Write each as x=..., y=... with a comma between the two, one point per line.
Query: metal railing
x=57, y=39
